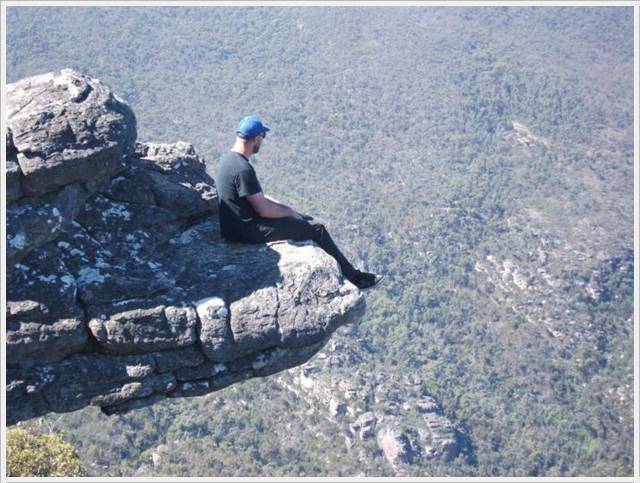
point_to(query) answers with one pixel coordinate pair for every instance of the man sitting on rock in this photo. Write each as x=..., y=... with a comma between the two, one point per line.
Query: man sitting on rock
x=248, y=216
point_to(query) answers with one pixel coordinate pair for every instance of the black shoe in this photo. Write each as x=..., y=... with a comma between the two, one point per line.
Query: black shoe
x=364, y=280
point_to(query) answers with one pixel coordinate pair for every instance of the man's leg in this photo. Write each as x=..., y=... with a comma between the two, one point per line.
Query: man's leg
x=273, y=229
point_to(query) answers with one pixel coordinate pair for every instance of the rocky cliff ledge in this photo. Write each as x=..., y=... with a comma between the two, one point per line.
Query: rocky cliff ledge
x=120, y=291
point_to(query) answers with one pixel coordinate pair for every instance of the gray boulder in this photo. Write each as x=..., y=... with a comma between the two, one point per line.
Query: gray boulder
x=67, y=128
x=399, y=447
x=434, y=437
x=120, y=290
x=67, y=135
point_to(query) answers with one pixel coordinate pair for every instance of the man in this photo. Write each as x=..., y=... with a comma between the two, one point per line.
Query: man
x=248, y=216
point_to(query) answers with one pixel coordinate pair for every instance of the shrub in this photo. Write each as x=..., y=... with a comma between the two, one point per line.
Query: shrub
x=40, y=455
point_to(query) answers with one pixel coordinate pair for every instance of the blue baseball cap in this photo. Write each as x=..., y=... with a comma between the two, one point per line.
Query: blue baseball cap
x=250, y=127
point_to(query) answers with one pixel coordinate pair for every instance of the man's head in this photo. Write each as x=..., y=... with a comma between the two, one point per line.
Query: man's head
x=250, y=131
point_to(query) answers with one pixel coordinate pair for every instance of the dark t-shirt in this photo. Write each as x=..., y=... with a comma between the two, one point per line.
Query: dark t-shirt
x=235, y=180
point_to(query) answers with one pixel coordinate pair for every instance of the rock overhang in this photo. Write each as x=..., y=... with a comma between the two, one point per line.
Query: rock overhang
x=120, y=267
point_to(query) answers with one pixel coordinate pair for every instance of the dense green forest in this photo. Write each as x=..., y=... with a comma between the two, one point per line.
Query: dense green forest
x=480, y=157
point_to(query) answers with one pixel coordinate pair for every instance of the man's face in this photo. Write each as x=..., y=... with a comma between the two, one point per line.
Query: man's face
x=257, y=143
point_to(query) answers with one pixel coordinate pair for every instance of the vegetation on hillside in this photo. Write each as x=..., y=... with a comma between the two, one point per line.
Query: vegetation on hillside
x=40, y=455
x=482, y=158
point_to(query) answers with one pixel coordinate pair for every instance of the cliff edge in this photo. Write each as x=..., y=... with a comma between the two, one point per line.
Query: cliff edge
x=120, y=291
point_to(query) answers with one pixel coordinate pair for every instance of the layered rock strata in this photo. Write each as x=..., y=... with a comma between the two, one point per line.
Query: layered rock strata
x=120, y=291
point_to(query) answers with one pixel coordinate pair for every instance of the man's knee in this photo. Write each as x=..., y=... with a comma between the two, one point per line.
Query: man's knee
x=317, y=226
x=319, y=230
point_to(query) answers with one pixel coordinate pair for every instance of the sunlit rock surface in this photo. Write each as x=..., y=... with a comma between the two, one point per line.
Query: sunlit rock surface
x=120, y=291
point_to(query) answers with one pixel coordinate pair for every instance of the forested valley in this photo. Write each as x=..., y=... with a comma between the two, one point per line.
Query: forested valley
x=480, y=157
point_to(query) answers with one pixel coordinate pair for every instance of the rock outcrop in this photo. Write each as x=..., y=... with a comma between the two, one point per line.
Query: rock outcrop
x=398, y=446
x=407, y=424
x=120, y=291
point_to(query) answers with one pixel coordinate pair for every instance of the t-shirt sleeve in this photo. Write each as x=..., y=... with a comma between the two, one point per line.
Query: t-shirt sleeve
x=247, y=183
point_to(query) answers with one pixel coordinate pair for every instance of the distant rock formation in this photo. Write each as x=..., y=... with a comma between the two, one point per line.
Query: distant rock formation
x=521, y=135
x=404, y=419
x=120, y=291
x=398, y=446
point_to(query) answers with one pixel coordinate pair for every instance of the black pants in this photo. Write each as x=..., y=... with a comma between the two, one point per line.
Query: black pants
x=274, y=229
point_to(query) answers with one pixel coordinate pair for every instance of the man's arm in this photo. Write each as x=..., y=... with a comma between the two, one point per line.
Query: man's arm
x=267, y=208
x=273, y=200
x=304, y=217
